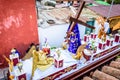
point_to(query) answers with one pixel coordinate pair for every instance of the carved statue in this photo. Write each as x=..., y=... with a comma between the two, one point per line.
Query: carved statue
x=101, y=33
x=79, y=52
x=29, y=52
x=41, y=61
x=10, y=63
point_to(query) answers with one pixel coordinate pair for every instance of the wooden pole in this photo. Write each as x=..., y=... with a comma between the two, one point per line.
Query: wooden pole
x=76, y=17
x=81, y=22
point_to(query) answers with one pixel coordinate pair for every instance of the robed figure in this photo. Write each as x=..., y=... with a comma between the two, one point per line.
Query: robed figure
x=75, y=41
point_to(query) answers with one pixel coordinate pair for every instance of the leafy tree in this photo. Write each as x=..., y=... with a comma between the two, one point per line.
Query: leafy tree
x=115, y=1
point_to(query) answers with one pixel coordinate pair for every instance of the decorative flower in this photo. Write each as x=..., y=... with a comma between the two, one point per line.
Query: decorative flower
x=58, y=53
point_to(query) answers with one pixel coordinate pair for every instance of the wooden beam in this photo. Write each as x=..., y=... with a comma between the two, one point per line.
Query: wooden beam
x=77, y=15
x=81, y=22
x=82, y=3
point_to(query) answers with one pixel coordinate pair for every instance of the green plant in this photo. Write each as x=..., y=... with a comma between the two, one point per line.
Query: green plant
x=115, y=1
x=118, y=56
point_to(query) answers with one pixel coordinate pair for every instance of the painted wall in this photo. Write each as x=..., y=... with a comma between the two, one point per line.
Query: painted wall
x=55, y=34
x=18, y=25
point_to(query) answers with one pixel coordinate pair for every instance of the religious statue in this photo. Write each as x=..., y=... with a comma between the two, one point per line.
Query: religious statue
x=101, y=33
x=10, y=63
x=29, y=52
x=79, y=52
x=74, y=39
x=41, y=61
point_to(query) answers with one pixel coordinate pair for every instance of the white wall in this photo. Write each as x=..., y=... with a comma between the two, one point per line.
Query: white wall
x=55, y=34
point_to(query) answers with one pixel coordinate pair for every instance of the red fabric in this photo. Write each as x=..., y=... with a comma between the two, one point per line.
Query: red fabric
x=18, y=25
x=86, y=38
x=117, y=38
x=58, y=63
x=15, y=61
x=93, y=36
x=87, y=57
x=46, y=50
x=101, y=45
x=22, y=77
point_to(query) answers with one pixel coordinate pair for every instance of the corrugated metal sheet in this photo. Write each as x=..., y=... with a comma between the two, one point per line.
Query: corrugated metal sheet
x=103, y=10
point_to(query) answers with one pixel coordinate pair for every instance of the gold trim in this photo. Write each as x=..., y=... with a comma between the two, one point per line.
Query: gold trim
x=53, y=77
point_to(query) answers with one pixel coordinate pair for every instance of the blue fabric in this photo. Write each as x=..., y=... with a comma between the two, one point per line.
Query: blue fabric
x=109, y=31
x=17, y=52
x=75, y=41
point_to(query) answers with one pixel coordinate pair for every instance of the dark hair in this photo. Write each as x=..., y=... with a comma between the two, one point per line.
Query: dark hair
x=108, y=20
x=32, y=44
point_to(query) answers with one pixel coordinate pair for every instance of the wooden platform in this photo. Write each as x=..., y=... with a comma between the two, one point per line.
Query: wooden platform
x=91, y=67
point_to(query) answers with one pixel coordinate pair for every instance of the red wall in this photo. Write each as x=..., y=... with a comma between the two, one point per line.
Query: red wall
x=18, y=25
